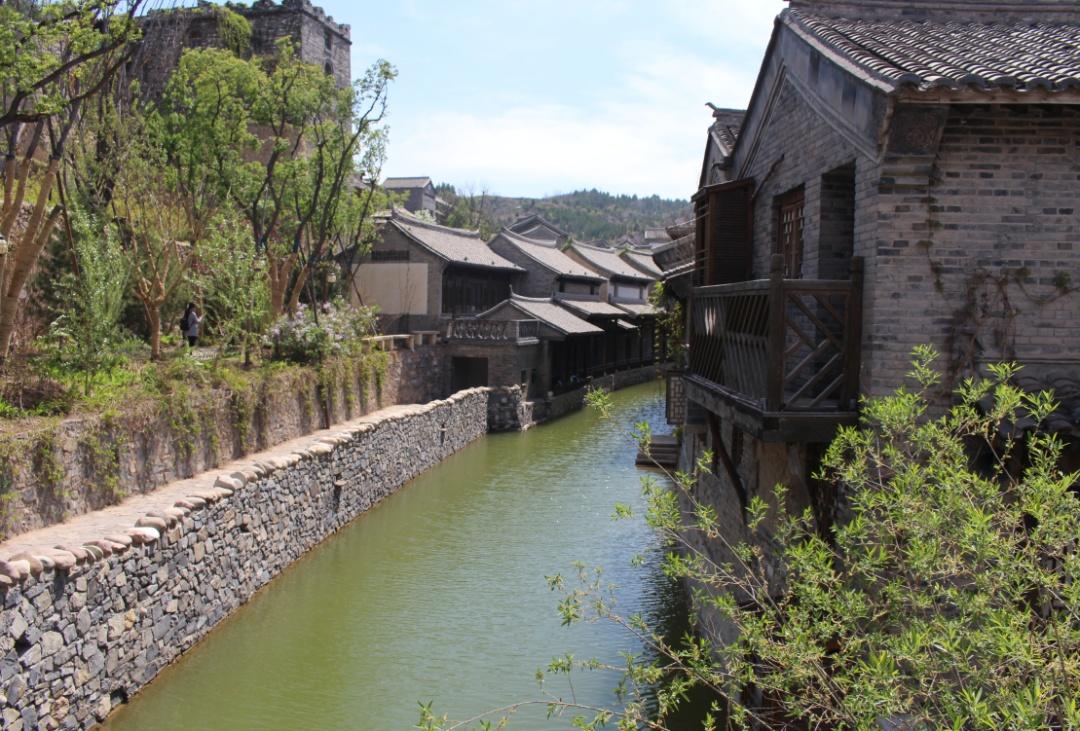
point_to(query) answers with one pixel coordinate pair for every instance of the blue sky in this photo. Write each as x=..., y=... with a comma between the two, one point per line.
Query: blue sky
x=534, y=98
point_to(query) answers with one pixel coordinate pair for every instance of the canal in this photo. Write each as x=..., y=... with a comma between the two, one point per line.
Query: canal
x=437, y=595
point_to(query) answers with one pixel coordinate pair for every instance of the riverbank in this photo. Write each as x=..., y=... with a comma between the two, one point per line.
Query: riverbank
x=95, y=607
x=438, y=595
x=90, y=623
x=175, y=420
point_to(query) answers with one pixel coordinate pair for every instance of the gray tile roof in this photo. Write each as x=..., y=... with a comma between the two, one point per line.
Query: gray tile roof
x=534, y=224
x=591, y=308
x=675, y=254
x=548, y=312
x=681, y=270
x=455, y=245
x=642, y=260
x=608, y=263
x=636, y=309
x=546, y=255
x=949, y=54
x=725, y=128
x=406, y=182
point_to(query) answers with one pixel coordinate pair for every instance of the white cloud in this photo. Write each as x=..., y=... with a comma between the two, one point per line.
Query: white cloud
x=645, y=137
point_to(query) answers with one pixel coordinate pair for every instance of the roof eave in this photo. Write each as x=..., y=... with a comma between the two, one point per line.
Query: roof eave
x=419, y=242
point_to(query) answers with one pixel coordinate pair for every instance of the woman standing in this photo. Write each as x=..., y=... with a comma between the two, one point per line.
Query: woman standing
x=189, y=324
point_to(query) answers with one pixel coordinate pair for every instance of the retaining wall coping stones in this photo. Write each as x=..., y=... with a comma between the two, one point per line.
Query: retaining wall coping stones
x=143, y=519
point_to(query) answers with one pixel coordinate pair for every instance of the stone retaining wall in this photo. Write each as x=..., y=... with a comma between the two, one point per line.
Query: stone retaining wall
x=509, y=411
x=87, y=463
x=85, y=626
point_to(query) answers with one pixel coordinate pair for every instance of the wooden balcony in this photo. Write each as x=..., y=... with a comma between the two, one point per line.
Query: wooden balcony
x=782, y=354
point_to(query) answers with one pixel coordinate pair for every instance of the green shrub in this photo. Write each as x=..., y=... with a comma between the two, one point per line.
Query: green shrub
x=313, y=335
x=948, y=598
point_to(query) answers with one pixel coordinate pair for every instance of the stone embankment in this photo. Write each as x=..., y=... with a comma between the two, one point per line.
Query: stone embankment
x=509, y=409
x=94, y=608
x=82, y=464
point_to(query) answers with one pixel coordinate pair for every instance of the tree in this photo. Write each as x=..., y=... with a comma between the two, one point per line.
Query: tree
x=283, y=144
x=158, y=236
x=86, y=331
x=55, y=55
x=347, y=145
x=231, y=278
x=471, y=210
x=208, y=130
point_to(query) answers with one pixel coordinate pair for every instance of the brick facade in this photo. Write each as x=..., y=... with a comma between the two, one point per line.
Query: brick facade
x=964, y=214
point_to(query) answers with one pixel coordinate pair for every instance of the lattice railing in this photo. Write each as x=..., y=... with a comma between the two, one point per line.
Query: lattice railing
x=492, y=330
x=786, y=344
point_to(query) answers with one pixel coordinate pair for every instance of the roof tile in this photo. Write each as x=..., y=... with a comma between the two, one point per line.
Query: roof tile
x=950, y=54
x=547, y=256
x=455, y=245
x=607, y=262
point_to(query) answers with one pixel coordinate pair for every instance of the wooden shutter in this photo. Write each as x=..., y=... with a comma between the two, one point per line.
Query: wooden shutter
x=789, y=231
x=724, y=245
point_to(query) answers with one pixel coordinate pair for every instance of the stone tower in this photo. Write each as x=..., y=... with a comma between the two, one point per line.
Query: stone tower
x=166, y=33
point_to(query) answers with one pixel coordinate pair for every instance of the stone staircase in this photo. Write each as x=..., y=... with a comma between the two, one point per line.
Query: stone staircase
x=663, y=452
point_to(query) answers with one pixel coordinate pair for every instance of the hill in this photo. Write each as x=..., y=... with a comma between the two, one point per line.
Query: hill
x=588, y=215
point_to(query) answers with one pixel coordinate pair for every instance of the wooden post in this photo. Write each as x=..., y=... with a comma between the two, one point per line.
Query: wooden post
x=853, y=337
x=774, y=398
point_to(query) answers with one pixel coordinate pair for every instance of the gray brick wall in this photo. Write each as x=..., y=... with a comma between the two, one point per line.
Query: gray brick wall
x=968, y=237
x=973, y=247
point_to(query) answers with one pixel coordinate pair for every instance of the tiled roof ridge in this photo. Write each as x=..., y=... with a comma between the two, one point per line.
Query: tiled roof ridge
x=629, y=272
x=934, y=53
x=865, y=9
x=512, y=234
x=523, y=242
x=542, y=220
x=515, y=297
x=594, y=247
x=418, y=178
x=401, y=216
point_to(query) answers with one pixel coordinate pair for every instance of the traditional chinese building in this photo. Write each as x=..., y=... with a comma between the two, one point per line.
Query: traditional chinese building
x=905, y=173
x=421, y=274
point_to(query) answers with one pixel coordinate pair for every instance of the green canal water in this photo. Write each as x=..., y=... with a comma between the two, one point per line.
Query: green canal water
x=437, y=595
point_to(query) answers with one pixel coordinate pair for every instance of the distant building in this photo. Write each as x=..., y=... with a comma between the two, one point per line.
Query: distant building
x=654, y=237
x=421, y=274
x=166, y=33
x=626, y=286
x=642, y=261
x=420, y=192
x=535, y=226
x=549, y=272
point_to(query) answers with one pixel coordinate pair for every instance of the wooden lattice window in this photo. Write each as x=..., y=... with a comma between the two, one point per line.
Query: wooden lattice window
x=789, y=231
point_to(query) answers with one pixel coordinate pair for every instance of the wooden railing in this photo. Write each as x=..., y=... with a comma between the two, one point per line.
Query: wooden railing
x=492, y=330
x=781, y=344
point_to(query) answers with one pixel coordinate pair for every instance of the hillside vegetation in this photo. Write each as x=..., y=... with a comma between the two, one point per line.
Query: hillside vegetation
x=588, y=215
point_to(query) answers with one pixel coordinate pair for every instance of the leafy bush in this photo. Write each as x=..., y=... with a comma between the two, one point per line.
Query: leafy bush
x=314, y=334
x=949, y=598
x=86, y=337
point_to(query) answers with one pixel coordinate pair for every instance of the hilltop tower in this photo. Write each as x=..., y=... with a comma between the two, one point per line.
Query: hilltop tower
x=318, y=38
